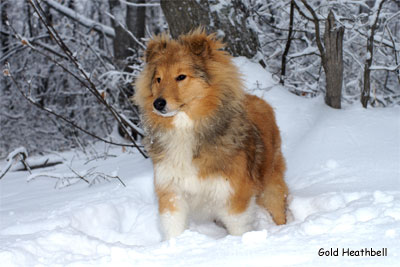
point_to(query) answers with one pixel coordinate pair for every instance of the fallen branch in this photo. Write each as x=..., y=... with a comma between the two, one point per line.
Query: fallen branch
x=19, y=154
x=47, y=163
x=90, y=177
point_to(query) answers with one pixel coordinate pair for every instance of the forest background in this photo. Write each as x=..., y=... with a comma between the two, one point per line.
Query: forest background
x=69, y=65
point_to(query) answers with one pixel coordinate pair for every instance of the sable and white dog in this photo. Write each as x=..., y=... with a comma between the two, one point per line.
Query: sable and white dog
x=216, y=150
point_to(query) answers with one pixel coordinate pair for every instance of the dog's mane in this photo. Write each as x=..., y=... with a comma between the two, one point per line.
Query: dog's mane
x=228, y=121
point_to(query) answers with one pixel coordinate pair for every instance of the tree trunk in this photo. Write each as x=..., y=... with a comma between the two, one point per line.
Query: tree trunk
x=333, y=62
x=135, y=21
x=185, y=15
x=229, y=21
x=288, y=43
x=331, y=56
x=123, y=42
x=4, y=37
x=126, y=50
x=121, y=38
x=365, y=94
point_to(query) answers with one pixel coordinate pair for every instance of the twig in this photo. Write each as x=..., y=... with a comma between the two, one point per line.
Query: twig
x=96, y=157
x=67, y=179
x=78, y=175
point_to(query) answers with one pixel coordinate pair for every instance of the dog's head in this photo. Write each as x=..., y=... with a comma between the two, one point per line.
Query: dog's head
x=179, y=74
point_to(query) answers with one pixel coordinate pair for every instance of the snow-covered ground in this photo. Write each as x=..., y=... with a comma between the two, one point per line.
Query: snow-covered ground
x=343, y=174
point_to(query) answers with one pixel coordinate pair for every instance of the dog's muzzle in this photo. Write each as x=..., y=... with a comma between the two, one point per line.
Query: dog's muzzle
x=160, y=108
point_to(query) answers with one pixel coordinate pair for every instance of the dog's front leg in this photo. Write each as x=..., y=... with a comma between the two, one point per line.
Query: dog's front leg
x=173, y=212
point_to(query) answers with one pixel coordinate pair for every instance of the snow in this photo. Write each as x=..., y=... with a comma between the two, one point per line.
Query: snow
x=343, y=175
x=254, y=237
x=255, y=78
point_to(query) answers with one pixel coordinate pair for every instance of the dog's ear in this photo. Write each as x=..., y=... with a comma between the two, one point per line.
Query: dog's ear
x=198, y=44
x=155, y=46
x=201, y=44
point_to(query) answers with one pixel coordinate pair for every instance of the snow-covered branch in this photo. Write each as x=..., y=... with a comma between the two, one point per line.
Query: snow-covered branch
x=388, y=68
x=306, y=52
x=140, y=5
x=109, y=31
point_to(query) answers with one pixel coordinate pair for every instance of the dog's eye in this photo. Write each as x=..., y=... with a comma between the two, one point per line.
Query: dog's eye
x=181, y=77
x=158, y=80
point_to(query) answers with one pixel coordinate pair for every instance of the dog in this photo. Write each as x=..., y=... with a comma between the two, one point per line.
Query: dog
x=216, y=150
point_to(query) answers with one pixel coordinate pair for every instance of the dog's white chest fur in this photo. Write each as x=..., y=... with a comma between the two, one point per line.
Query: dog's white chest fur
x=200, y=198
x=178, y=173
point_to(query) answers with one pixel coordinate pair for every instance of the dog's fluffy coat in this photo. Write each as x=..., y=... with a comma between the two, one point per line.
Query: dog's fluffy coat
x=216, y=150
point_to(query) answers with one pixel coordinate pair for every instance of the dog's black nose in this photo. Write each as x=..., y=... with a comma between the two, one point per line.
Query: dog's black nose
x=159, y=104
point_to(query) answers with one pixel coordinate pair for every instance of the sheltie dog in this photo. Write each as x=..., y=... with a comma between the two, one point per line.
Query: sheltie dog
x=216, y=150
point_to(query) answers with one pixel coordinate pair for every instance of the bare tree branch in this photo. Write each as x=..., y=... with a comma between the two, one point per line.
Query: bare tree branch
x=301, y=12
x=317, y=30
